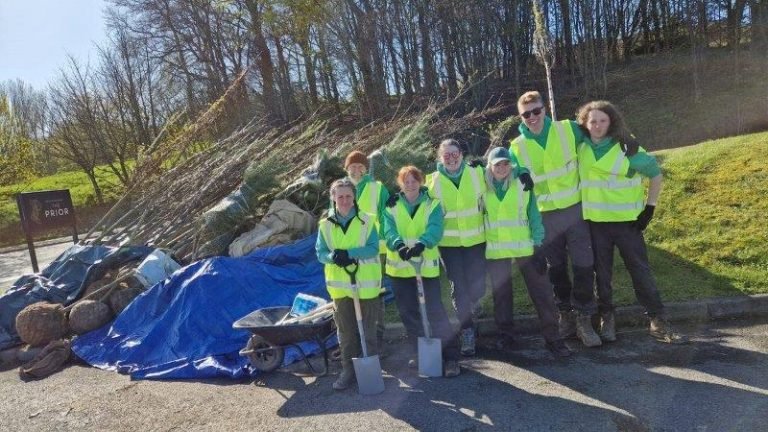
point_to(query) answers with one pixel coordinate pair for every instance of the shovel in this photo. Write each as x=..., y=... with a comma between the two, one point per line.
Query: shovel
x=430, y=349
x=367, y=369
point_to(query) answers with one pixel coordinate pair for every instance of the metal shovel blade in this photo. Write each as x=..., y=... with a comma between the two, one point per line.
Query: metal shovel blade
x=430, y=357
x=368, y=374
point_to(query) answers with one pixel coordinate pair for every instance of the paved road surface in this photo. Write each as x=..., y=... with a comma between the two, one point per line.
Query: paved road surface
x=16, y=262
x=717, y=383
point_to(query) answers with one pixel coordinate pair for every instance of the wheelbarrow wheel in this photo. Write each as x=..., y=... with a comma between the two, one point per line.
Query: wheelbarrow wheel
x=264, y=356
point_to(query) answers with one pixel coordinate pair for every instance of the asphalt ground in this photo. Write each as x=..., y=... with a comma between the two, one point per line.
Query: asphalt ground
x=716, y=383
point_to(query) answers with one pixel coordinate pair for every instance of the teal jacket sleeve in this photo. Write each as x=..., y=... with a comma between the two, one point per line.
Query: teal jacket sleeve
x=645, y=164
x=390, y=230
x=578, y=133
x=534, y=221
x=434, y=232
x=324, y=255
x=370, y=250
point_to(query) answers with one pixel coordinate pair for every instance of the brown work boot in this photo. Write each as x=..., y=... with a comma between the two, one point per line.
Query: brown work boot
x=662, y=331
x=346, y=378
x=585, y=332
x=566, y=324
x=608, y=327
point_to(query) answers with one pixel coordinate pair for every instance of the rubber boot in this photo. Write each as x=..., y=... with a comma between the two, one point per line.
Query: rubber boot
x=585, y=332
x=608, y=327
x=566, y=324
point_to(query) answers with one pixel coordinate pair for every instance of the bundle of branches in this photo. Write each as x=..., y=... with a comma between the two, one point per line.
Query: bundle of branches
x=195, y=203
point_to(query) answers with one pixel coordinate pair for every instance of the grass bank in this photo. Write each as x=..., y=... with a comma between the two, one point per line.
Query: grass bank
x=709, y=237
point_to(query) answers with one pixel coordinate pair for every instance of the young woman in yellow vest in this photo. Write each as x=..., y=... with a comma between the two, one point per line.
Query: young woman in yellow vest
x=371, y=196
x=347, y=241
x=413, y=225
x=459, y=188
x=548, y=149
x=612, y=166
x=513, y=229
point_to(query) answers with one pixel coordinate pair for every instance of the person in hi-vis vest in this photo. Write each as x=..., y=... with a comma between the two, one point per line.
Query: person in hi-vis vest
x=413, y=225
x=459, y=188
x=513, y=230
x=371, y=196
x=548, y=149
x=612, y=166
x=347, y=240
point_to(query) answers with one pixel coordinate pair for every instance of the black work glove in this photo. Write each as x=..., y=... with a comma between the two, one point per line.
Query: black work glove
x=474, y=163
x=630, y=146
x=539, y=260
x=392, y=200
x=526, y=180
x=416, y=250
x=644, y=218
x=402, y=250
x=341, y=258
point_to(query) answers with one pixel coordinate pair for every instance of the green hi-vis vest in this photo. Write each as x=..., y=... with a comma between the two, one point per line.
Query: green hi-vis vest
x=507, y=234
x=554, y=170
x=463, y=206
x=607, y=194
x=369, y=270
x=410, y=229
x=368, y=202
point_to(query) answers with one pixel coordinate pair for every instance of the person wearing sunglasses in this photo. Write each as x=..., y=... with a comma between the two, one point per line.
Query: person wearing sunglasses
x=614, y=204
x=549, y=150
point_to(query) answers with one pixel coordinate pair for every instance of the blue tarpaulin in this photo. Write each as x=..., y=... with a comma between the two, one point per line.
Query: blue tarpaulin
x=61, y=281
x=182, y=328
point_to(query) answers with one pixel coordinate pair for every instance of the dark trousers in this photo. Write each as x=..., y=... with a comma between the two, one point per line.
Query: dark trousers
x=631, y=244
x=465, y=267
x=539, y=289
x=567, y=236
x=407, y=300
x=346, y=325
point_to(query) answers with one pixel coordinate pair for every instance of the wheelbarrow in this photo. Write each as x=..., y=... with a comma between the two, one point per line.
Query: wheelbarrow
x=266, y=347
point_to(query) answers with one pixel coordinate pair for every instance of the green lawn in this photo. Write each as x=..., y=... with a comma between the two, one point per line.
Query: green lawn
x=709, y=236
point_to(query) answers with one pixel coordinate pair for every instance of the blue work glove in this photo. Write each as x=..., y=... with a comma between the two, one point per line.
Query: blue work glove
x=416, y=250
x=539, y=260
x=526, y=180
x=341, y=258
x=402, y=251
x=644, y=218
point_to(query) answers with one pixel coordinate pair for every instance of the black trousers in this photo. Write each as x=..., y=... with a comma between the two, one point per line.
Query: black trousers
x=407, y=300
x=539, y=289
x=567, y=236
x=631, y=245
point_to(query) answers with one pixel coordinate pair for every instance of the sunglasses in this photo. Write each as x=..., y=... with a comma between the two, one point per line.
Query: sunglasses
x=535, y=111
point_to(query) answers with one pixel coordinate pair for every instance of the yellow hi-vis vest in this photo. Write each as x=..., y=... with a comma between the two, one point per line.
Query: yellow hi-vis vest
x=463, y=206
x=607, y=194
x=507, y=234
x=554, y=170
x=410, y=229
x=368, y=202
x=368, y=276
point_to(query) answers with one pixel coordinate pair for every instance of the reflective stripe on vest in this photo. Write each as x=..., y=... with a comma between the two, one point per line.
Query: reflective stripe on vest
x=462, y=205
x=554, y=170
x=608, y=195
x=369, y=270
x=506, y=224
x=368, y=202
x=410, y=230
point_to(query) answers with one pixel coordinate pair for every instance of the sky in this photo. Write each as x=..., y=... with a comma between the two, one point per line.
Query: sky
x=37, y=35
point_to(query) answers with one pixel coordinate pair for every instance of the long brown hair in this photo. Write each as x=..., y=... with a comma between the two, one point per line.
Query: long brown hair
x=618, y=128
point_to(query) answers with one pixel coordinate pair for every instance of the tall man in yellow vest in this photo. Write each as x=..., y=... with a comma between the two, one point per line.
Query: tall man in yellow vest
x=549, y=150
